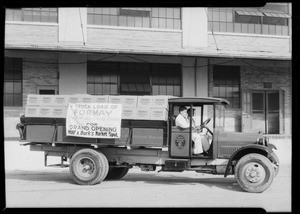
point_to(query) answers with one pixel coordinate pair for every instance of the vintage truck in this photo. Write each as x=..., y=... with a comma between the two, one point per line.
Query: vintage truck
x=149, y=144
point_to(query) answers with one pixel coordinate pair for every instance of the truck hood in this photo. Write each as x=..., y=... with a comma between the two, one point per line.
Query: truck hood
x=236, y=138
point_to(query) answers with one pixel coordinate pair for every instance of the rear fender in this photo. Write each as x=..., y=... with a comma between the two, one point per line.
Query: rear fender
x=253, y=148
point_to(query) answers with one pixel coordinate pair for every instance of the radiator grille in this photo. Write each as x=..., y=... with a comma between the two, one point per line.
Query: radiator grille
x=227, y=151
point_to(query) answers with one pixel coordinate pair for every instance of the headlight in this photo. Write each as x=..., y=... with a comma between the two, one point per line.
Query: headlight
x=266, y=141
x=261, y=141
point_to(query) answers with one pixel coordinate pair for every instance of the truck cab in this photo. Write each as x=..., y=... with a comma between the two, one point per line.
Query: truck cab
x=209, y=118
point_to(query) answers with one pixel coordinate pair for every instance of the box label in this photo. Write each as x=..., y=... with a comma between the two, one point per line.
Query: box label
x=47, y=100
x=144, y=101
x=33, y=100
x=158, y=114
x=45, y=111
x=101, y=99
x=115, y=99
x=59, y=112
x=142, y=114
x=128, y=113
x=31, y=111
x=61, y=100
x=129, y=101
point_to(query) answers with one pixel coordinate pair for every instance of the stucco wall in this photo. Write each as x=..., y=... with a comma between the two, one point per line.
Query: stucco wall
x=31, y=32
x=248, y=42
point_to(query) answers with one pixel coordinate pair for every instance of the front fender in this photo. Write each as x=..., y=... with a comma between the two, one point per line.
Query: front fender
x=253, y=148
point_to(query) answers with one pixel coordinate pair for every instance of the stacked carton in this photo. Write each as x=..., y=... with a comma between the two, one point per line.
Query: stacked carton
x=46, y=106
x=134, y=107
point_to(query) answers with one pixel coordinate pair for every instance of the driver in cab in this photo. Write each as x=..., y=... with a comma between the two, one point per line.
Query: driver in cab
x=201, y=144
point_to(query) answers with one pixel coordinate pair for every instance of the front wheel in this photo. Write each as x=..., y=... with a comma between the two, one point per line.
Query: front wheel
x=88, y=167
x=254, y=173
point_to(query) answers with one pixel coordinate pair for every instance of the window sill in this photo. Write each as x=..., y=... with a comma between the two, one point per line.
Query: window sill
x=133, y=28
x=31, y=23
x=249, y=34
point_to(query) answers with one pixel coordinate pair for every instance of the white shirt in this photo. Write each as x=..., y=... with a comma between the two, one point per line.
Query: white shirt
x=182, y=122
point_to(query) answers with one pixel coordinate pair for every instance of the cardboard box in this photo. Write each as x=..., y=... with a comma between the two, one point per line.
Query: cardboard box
x=158, y=114
x=144, y=101
x=142, y=113
x=128, y=113
x=45, y=111
x=73, y=99
x=101, y=99
x=129, y=101
x=61, y=100
x=160, y=101
x=115, y=99
x=86, y=99
x=59, y=112
x=33, y=100
x=47, y=100
x=31, y=111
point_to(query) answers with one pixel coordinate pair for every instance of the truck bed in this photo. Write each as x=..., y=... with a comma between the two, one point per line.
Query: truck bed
x=133, y=133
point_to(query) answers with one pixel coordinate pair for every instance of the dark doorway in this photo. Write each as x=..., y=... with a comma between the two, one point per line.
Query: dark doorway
x=265, y=111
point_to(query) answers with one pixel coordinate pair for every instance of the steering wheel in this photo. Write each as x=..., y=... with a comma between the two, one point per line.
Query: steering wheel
x=203, y=125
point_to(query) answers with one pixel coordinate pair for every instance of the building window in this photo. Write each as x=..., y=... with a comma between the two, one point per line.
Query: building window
x=167, y=18
x=166, y=79
x=226, y=84
x=127, y=78
x=32, y=15
x=102, y=78
x=134, y=78
x=272, y=19
x=13, y=82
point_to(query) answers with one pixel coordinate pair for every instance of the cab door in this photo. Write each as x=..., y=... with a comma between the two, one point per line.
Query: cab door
x=180, y=142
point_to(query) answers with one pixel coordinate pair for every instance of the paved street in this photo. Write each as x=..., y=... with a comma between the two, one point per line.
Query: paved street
x=30, y=184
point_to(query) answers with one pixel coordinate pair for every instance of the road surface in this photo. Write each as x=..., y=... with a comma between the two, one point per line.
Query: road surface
x=30, y=184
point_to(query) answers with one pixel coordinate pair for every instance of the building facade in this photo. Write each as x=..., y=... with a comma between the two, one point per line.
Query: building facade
x=241, y=54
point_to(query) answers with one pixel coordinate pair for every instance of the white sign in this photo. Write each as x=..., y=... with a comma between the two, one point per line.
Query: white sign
x=94, y=120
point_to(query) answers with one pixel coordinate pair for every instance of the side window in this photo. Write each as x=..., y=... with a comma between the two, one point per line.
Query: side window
x=13, y=78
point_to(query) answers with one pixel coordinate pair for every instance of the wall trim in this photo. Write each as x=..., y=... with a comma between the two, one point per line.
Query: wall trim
x=31, y=23
x=133, y=28
x=248, y=35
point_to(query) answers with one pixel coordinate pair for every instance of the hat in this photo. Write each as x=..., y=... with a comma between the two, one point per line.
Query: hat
x=181, y=108
x=190, y=110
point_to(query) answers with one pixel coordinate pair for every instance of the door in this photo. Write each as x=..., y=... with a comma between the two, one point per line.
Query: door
x=265, y=112
x=246, y=112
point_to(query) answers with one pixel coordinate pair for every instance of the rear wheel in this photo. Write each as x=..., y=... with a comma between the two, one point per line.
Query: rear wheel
x=88, y=167
x=254, y=173
x=115, y=173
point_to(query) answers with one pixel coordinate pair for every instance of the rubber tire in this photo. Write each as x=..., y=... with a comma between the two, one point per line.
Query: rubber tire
x=274, y=159
x=115, y=173
x=247, y=185
x=101, y=166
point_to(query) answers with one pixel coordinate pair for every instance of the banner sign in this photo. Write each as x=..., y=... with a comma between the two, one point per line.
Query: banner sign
x=94, y=120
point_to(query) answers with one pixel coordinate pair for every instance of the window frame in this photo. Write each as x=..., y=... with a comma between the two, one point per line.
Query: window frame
x=236, y=24
x=18, y=68
x=131, y=67
x=39, y=10
x=159, y=21
x=221, y=70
